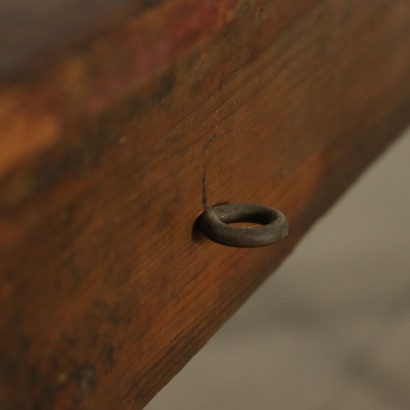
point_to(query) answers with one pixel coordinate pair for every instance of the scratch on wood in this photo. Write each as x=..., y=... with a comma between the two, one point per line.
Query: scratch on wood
x=206, y=155
x=204, y=174
x=203, y=183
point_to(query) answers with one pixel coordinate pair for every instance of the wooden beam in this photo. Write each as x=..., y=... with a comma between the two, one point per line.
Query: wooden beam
x=107, y=287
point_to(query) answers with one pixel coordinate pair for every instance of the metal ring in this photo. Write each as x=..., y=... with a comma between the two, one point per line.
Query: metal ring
x=215, y=224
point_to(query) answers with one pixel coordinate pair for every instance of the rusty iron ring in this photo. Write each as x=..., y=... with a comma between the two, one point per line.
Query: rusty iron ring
x=272, y=225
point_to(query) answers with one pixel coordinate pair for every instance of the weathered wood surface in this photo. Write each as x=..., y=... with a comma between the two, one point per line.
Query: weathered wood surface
x=31, y=30
x=107, y=289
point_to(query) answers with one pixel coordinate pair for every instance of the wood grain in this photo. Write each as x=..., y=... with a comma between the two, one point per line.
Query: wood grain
x=107, y=287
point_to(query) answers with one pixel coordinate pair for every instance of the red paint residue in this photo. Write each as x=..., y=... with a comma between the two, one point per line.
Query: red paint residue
x=150, y=49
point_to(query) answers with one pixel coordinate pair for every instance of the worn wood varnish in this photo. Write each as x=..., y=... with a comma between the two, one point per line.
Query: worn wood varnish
x=107, y=287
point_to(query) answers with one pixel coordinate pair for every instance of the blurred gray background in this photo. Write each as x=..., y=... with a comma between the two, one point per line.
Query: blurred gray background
x=331, y=329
